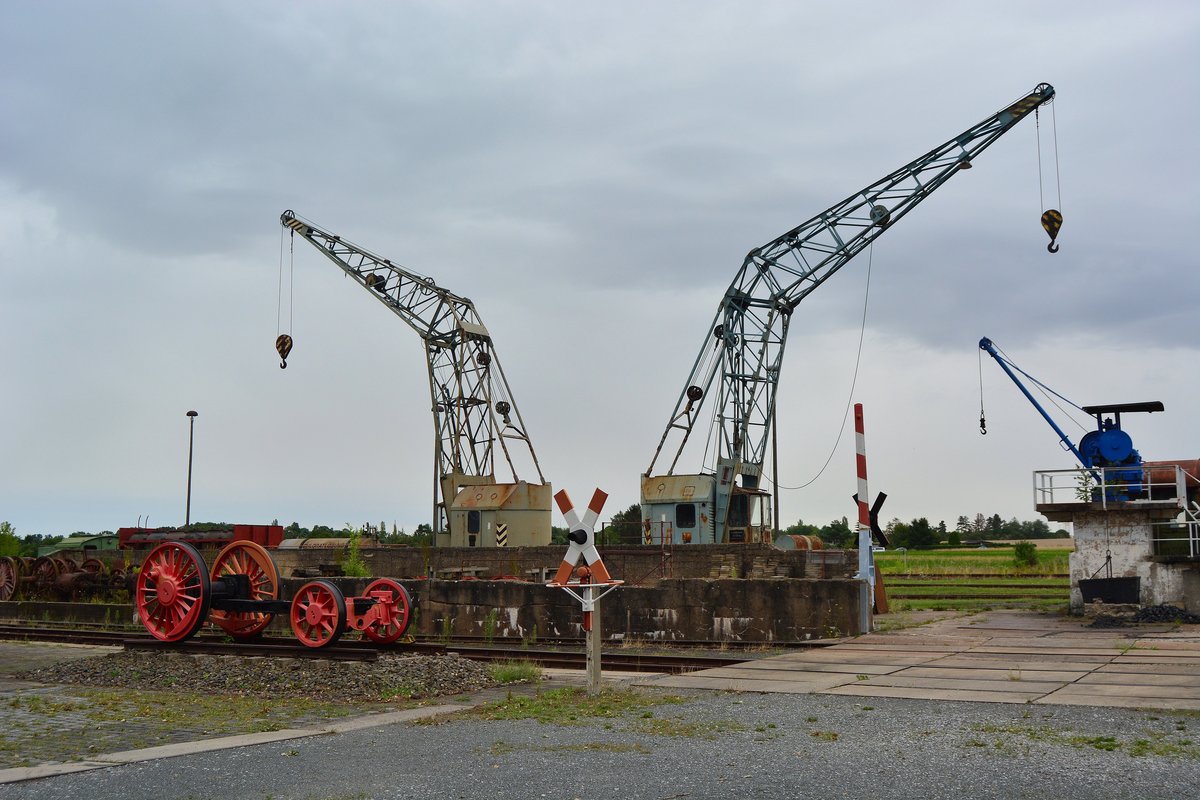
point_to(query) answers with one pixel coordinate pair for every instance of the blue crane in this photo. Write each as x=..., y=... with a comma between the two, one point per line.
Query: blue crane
x=1107, y=452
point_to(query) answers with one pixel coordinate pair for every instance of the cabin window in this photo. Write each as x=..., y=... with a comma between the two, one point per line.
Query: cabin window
x=473, y=522
x=685, y=515
x=738, y=511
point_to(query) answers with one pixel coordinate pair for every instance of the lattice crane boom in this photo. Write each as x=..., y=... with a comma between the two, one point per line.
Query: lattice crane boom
x=749, y=331
x=473, y=409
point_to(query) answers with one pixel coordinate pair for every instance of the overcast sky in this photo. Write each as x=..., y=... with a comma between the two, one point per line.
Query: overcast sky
x=591, y=176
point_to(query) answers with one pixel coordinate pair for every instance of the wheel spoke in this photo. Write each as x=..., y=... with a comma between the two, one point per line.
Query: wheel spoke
x=172, y=591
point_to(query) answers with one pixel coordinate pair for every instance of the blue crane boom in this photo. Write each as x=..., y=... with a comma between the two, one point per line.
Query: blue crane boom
x=1107, y=447
x=988, y=347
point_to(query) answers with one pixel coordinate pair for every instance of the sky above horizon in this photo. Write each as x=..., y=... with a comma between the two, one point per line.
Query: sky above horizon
x=591, y=176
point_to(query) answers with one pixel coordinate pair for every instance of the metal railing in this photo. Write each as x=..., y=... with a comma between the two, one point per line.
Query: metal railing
x=1180, y=537
x=1105, y=485
x=1127, y=486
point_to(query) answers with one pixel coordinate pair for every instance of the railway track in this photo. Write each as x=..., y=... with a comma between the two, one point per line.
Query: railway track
x=278, y=647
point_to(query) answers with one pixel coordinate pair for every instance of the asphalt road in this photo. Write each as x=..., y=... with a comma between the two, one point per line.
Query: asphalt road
x=715, y=745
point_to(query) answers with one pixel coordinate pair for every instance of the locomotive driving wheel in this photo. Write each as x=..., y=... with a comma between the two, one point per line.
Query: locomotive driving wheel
x=253, y=561
x=318, y=614
x=395, y=611
x=173, y=592
x=10, y=576
x=45, y=572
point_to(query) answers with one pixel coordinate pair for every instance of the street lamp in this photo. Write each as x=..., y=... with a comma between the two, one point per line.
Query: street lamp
x=191, y=435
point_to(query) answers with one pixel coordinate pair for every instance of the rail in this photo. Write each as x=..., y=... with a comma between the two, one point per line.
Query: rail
x=352, y=650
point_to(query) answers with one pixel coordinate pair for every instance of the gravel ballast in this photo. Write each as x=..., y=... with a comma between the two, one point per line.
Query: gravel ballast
x=388, y=677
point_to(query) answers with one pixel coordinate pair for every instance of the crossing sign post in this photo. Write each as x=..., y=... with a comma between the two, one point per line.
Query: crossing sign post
x=588, y=583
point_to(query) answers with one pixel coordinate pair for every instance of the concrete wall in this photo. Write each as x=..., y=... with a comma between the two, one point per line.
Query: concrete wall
x=685, y=609
x=737, y=592
x=1127, y=533
x=636, y=565
x=688, y=609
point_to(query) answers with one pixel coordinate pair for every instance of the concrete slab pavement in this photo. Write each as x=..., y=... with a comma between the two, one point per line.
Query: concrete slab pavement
x=995, y=657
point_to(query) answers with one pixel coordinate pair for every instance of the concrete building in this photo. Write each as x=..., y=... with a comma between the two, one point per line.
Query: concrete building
x=1134, y=543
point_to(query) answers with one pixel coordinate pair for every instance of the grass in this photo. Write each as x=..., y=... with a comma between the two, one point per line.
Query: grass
x=972, y=580
x=971, y=561
x=627, y=709
x=686, y=729
x=504, y=748
x=569, y=706
x=1149, y=743
x=85, y=721
x=505, y=672
x=971, y=606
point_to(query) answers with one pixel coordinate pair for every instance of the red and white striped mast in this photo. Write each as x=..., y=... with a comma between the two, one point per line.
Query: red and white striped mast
x=866, y=556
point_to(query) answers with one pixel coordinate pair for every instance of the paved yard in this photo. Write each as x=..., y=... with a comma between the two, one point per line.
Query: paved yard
x=995, y=657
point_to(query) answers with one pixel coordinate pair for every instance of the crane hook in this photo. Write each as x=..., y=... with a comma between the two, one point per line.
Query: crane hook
x=283, y=346
x=1052, y=221
x=982, y=426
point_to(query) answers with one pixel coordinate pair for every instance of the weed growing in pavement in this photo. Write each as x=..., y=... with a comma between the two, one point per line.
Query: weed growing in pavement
x=46, y=706
x=504, y=748
x=402, y=691
x=824, y=736
x=102, y=713
x=489, y=625
x=569, y=706
x=516, y=672
x=1152, y=743
x=685, y=729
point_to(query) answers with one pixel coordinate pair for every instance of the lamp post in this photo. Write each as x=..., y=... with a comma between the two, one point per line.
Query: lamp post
x=191, y=436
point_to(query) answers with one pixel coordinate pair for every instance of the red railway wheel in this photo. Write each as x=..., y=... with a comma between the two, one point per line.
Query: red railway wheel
x=396, y=607
x=10, y=576
x=45, y=573
x=318, y=614
x=94, y=566
x=253, y=561
x=173, y=593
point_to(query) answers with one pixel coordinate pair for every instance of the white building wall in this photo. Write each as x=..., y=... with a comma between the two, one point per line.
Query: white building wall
x=1127, y=535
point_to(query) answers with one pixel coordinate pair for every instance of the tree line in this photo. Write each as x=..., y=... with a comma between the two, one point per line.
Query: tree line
x=918, y=533
x=625, y=527
x=13, y=545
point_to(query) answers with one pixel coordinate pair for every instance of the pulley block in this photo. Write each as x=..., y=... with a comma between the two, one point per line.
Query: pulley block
x=283, y=346
x=1052, y=221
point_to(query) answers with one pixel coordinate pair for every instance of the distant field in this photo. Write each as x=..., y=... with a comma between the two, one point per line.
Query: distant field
x=971, y=579
x=1046, y=544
